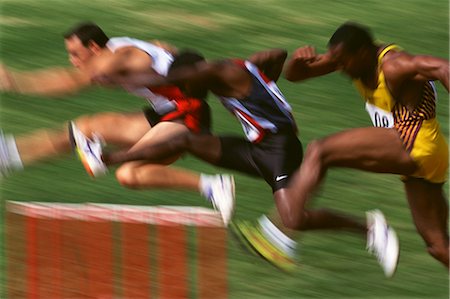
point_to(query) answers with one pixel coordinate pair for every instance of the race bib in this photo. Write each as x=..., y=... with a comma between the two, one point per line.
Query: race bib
x=380, y=117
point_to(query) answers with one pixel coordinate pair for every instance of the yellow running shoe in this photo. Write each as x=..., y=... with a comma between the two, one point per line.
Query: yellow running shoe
x=250, y=236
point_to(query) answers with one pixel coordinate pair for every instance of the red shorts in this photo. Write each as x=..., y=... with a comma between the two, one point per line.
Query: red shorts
x=194, y=113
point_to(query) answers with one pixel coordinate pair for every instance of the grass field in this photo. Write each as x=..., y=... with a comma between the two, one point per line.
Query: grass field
x=331, y=265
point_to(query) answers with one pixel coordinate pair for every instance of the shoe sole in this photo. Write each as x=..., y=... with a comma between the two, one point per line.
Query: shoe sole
x=240, y=235
x=398, y=252
x=73, y=144
x=242, y=241
x=77, y=150
x=84, y=162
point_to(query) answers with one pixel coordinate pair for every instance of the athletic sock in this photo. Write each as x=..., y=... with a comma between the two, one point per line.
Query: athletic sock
x=277, y=237
x=9, y=155
x=205, y=183
x=14, y=156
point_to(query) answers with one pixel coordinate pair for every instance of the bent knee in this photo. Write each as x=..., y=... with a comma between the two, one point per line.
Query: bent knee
x=315, y=151
x=291, y=214
x=126, y=176
x=440, y=252
x=88, y=123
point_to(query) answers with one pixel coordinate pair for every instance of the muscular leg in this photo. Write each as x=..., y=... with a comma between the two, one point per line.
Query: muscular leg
x=371, y=149
x=116, y=128
x=163, y=144
x=42, y=144
x=205, y=147
x=429, y=209
x=322, y=219
x=141, y=174
x=120, y=129
x=172, y=136
x=208, y=148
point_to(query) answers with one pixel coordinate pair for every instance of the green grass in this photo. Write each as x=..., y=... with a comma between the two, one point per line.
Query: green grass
x=332, y=265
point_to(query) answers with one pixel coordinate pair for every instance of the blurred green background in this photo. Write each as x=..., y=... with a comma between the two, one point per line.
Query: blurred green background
x=331, y=265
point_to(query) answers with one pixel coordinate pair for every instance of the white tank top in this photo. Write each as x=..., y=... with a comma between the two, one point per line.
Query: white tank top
x=161, y=61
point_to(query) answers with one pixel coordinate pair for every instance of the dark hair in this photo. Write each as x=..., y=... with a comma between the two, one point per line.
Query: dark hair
x=353, y=36
x=186, y=58
x=86, y=32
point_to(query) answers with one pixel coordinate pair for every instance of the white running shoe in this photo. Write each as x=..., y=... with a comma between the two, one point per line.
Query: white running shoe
x=89, y=151
x=222, y=196
x=382, y=241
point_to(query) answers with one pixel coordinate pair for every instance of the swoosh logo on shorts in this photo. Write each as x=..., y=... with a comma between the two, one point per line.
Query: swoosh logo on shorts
x=281, y=177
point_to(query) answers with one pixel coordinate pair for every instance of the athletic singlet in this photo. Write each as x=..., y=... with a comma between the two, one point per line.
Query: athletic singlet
x=160, y=98
x=264, y=110
x=418, y=129
x=386, y=112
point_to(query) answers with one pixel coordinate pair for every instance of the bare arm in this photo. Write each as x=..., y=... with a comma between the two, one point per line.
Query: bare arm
x=222, y=77
x=62, y=81
x=199, y=72
x=305, y=63
x=270, y=62
x=403, y=67
x=122, y=62
x=50, y=82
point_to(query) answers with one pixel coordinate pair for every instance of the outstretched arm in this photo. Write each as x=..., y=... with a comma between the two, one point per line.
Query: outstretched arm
x=222, y=77
x=62, y=81
x=50, y=82
x=305, y=63
x=270, y=62
x=200, y=72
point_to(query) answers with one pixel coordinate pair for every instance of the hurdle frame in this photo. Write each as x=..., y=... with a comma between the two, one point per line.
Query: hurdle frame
x=48, y=229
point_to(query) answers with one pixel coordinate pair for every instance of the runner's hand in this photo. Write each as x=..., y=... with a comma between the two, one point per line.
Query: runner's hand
x=306, y=54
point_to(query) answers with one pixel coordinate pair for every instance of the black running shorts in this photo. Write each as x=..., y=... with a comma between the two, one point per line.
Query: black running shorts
x=275, y=158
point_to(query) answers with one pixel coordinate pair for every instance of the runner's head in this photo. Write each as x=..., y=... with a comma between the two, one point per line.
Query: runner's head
x=84, y=41
x=351, y=46
x=189, y=59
